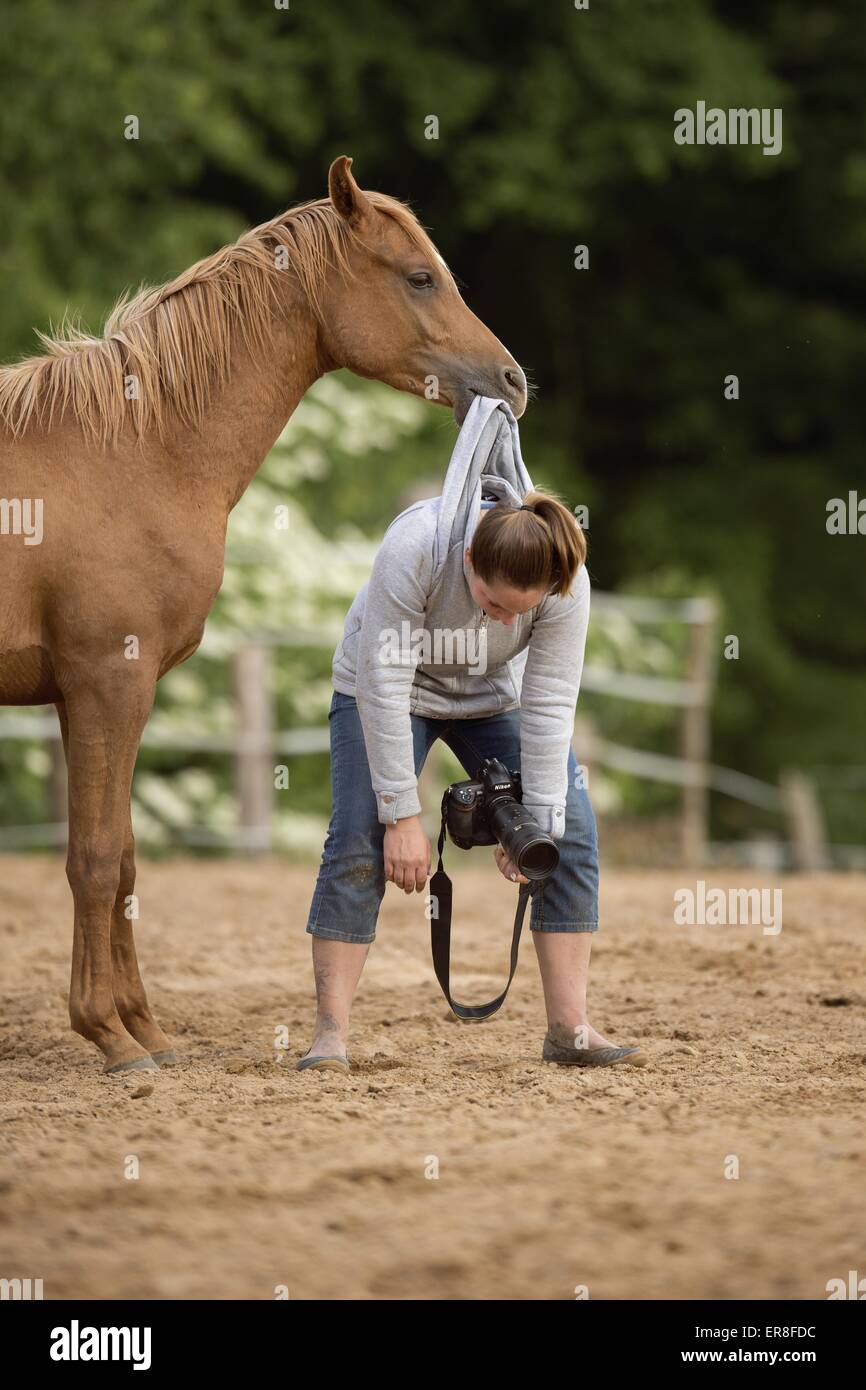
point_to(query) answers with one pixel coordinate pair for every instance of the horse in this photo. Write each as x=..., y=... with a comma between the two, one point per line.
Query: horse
x=133, y=447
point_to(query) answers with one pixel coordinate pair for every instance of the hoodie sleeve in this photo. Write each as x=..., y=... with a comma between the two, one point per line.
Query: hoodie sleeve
x=551, y=682
x=387, y=660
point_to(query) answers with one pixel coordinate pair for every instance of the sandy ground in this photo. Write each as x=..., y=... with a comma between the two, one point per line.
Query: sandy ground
x=252, y=1176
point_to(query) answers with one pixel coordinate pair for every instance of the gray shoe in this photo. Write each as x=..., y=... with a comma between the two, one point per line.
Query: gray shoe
x=591, y=1056
x=323, y=1064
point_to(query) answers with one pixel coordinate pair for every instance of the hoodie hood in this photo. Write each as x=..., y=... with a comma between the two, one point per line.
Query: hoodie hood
x=486, y=462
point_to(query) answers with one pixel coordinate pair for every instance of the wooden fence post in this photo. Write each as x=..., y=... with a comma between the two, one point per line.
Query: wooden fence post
x=695, y=735
x=252, y=666
x=805, y=822
x=584, y=742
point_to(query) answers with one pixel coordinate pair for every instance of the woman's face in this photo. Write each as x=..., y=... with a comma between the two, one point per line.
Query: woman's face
x=500, y=601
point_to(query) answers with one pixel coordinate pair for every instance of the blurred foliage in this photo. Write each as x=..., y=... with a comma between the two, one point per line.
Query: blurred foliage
x=555, y=130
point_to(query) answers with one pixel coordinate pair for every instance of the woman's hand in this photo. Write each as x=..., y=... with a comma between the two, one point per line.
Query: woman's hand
x=407, y=855
x=506, y=867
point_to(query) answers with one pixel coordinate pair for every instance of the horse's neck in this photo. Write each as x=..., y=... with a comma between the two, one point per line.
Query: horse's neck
x=248, y=411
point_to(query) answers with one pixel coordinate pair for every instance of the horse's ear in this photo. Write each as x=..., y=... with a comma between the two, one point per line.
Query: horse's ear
x=350, y=201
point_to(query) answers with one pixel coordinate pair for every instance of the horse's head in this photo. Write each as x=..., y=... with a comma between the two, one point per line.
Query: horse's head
x=397, y=315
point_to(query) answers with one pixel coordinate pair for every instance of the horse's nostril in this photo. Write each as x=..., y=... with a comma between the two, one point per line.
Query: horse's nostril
x=514, y=378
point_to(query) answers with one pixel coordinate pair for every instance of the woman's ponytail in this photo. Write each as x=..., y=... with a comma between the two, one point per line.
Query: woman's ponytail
x=538, y=545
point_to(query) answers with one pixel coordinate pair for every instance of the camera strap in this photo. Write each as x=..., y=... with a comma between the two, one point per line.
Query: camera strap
x=442, y=894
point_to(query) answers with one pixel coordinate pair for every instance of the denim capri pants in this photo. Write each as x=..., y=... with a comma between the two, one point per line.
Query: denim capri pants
x=351, y=882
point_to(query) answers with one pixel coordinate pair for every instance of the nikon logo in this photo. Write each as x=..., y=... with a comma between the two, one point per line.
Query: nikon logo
x=502, y=786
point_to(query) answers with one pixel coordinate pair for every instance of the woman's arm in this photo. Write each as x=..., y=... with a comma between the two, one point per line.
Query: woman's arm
x=551, y=682
x=387, y=659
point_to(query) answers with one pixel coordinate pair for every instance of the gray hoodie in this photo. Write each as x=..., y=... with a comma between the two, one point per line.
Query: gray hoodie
x=415, y=641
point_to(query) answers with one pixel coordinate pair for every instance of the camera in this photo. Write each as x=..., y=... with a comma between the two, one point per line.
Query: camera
x=488, y=811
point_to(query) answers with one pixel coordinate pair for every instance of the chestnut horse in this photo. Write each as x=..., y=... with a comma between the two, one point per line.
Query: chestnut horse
x=133, y=448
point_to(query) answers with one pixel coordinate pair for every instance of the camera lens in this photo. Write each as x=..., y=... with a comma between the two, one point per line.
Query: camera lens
x=538, y=859
x=523, y=840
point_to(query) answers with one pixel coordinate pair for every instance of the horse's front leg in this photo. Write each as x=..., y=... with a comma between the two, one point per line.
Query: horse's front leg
x=104, y=722
x=126, y=982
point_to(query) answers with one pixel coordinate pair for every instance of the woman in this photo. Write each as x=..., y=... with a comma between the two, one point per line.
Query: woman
x=471, y=629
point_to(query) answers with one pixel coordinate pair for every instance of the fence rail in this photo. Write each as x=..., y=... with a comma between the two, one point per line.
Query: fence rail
x=255, y=740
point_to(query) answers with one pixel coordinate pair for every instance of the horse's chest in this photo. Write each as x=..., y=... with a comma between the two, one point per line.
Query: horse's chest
x=187, y=576
x=185, y=607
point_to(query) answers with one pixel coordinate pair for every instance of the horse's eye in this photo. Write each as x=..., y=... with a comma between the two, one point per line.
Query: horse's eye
x=421, y=280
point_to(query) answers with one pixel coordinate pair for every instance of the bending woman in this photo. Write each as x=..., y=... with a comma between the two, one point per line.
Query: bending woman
x=471, y=629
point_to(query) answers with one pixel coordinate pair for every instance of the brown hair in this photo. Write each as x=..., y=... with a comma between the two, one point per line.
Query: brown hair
x=536, y=546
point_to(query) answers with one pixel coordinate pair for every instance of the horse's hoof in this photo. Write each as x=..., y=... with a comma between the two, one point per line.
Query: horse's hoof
x=169, y=1058
x=137, y=1064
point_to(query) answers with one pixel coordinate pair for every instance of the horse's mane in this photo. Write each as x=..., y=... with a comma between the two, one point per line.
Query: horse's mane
x=175, y=340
